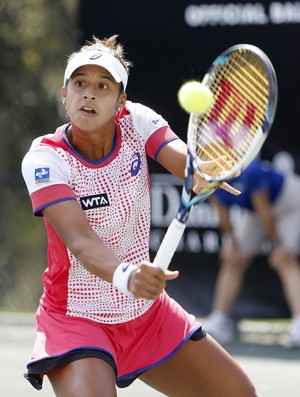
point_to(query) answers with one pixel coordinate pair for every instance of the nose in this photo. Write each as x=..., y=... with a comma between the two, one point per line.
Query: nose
x=89, y=96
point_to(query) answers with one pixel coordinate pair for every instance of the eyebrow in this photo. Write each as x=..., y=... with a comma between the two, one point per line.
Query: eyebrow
x=83, y=74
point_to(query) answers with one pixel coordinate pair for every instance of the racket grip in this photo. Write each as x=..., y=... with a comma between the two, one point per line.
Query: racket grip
x=169, y=244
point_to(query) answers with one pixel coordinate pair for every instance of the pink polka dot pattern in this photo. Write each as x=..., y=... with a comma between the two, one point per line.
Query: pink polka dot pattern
x=123, y=226
x=122, y=223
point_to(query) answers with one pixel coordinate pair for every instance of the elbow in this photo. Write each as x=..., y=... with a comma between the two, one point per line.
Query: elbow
x=78, y=246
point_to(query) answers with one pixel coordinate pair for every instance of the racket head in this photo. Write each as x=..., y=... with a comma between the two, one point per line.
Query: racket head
x=225, y=140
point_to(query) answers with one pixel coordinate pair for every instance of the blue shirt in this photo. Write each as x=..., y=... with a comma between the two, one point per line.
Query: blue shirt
x=258, y=176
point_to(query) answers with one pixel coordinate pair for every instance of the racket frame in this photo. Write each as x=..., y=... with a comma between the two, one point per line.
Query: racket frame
x=188, y=199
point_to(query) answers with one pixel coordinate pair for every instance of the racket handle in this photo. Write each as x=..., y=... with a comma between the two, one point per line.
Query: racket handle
x=169, y=244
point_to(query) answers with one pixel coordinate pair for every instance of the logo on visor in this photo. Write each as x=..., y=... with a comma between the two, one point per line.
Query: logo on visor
x=95, y=56
x=42, y=175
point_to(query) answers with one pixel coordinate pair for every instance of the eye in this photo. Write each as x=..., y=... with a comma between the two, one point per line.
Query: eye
x=103, y=86
x=79, y=83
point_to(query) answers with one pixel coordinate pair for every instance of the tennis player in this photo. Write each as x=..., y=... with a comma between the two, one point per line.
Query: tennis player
x=104, y=318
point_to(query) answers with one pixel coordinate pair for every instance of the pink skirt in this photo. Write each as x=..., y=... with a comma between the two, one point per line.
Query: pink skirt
x=131, y=348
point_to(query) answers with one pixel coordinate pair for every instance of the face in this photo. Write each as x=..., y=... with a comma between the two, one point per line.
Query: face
x=92, y=98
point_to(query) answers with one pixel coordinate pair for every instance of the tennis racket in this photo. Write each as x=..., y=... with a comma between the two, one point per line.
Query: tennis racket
x=222, y=142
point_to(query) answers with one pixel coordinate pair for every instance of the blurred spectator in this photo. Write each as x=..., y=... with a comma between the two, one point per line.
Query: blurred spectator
x=270, y=206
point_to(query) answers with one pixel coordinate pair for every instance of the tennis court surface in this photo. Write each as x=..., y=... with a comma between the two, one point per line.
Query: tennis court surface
x=274, y=369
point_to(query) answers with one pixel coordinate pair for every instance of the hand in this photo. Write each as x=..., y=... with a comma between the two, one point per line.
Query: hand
x=148, y=281
x=199, y=183
x=214, y=167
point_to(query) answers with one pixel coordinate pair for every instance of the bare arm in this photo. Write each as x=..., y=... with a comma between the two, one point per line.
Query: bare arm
x=261, y=204
x=229, y=248
x=225, y=225
x=173, y=158
x=72, y=226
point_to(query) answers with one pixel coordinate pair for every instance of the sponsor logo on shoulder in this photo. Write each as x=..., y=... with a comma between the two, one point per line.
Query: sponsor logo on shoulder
x=155, y=121
x=94, y=201
x=42, y=175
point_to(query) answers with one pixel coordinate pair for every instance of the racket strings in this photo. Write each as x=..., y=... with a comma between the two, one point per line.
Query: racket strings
x=241, y=81
x=249, y=76
x=255, y=77
x=241, y=94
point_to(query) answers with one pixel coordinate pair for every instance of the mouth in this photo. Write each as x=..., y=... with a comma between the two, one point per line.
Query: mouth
x=87, y=110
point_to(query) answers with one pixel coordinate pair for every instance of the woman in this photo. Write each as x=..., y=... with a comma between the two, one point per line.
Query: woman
x=104, y=317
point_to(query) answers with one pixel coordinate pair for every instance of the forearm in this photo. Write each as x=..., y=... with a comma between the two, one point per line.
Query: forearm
x=269, y=223
x=225, y=225
x=263, y=207
x=173, y=157
x=73, y=228
x=95, y=256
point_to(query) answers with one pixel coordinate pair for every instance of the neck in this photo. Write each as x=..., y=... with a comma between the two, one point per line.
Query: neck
x=91, y=146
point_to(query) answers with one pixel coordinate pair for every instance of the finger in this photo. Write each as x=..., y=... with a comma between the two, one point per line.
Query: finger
x=156, y=285
x=171, y=275
x=148, y=291
x=148, y=282
x=207, y=163
x=229, y=188
x=199, y=184
x=150, y=270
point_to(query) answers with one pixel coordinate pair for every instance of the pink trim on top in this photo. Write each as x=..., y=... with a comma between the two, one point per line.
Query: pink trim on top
x=158, y=140
x=50, y=195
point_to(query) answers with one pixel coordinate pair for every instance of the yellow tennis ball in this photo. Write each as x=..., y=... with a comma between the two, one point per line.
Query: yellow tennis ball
x=195, y=97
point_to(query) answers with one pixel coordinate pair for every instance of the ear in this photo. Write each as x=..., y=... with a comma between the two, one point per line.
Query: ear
x=122, y=100
x=64, y=95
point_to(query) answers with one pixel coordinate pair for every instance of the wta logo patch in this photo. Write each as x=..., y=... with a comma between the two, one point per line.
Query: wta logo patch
x=135, y=164
x=42, y=175
x=95, y=201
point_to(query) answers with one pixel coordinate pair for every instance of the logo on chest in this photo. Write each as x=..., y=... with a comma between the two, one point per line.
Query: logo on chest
x=135, y=164
x=94, y=201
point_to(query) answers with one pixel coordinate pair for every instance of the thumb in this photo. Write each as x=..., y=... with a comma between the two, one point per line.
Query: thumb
x=171, y=275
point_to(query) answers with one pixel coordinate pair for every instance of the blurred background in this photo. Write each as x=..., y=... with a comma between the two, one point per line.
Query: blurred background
x=169, y=43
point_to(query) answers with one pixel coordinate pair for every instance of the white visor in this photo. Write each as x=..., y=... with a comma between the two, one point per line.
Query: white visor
x=100, y=58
